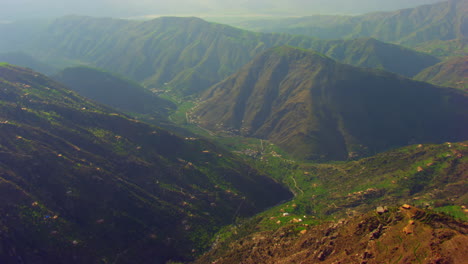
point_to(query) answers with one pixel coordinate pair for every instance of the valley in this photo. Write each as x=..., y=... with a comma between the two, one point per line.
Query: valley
x=320, y=139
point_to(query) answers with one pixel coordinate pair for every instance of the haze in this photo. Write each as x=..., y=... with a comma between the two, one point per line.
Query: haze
x=25, y=9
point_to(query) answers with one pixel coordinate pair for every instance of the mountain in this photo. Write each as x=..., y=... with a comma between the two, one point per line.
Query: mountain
x=114, y=91
x=316, y=108
x=25, y=60
x=451, y=73
x=81, y=183
x=188, y=55
x=439, y=21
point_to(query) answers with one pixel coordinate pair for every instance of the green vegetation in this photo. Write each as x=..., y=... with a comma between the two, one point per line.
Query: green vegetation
x=455, y=211
x=179, y=116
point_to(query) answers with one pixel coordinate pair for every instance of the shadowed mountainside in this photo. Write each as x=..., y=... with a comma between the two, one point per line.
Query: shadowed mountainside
x=81, y=183
x=114, y=91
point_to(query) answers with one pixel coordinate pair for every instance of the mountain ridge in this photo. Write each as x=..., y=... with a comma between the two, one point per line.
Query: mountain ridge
x=412, y=26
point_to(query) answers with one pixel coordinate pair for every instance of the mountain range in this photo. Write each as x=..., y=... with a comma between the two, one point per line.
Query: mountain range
x=317, y=108
x=188, y=55
x=177, y=140
x=436, y=22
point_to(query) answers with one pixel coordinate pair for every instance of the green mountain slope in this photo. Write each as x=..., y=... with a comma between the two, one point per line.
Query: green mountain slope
x=371, y=53
x=440, y=21
x=444, y=49
x=80, y=183
x=316, y=108
x=114, y=91
x=189, y=54
x=451, y=73
x=425, y=175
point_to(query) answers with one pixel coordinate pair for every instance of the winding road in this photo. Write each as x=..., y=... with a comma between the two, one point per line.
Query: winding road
x=295, y=185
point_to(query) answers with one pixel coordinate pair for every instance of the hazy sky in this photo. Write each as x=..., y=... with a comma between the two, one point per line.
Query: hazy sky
x=21, y=9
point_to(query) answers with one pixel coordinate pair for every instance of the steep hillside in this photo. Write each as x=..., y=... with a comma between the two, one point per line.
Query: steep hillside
x=114, y=91
x=451, y=73
x=440, y=21
x=80, y=183
x=425, y=175
x=399, y=235
x=189, y=54
x=316, y=108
